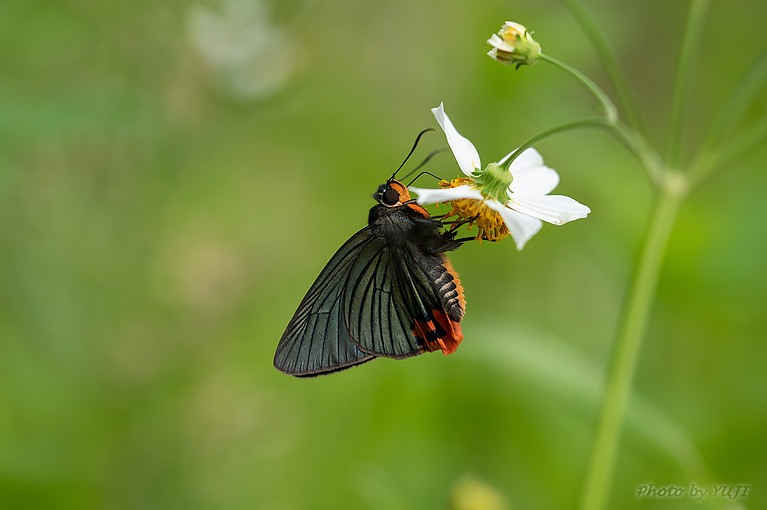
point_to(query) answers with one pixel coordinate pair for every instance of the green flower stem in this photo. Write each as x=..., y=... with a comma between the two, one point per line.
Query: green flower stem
x=631, y=139
x=630, y=331
x=721, y=159
x=650, y=160
x=610, y=62
x=690, y=42
x=738, y=104
x=611, y=113
x=596, y=122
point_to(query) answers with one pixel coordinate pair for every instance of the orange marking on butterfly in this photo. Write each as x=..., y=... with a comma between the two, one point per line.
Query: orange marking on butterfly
x=404, y=197
x=450, y=342
x=447, y=342
x=404, y=194
x=420, y=210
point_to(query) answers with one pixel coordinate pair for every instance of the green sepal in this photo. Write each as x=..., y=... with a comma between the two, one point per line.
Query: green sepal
x=493, y=182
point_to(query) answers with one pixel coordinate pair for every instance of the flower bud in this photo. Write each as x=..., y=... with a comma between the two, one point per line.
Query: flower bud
x=513, y=45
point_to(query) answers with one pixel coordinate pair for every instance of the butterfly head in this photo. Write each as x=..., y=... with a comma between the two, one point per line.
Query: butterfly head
x=392, y=194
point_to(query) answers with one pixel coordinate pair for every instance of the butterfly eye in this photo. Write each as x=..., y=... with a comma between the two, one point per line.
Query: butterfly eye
x=390, y=197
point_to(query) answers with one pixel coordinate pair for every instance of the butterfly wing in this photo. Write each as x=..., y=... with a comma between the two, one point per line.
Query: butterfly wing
x=317, y=340
x=393, y=307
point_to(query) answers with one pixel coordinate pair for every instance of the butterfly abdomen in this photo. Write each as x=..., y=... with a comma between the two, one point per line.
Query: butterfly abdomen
x=448, y=287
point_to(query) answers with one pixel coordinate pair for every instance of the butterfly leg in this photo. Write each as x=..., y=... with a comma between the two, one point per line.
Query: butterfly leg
x=455, y=225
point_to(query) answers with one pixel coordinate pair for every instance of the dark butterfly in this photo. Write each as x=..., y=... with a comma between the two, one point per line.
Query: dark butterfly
x=389, y=291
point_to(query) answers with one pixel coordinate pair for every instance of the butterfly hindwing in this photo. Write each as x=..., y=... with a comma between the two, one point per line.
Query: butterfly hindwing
x=393, y=305
x=384, y=294
x=316, y=340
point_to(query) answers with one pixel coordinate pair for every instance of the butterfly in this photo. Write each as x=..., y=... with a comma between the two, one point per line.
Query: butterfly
x=389, y=291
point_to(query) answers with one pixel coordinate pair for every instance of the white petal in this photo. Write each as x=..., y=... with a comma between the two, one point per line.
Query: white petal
x=432, y=196
x=463, y=150
x=529, y=157
x=533, y=180
x=556, y=209
x=496, y=42
x=530, y=175
x=521, y=226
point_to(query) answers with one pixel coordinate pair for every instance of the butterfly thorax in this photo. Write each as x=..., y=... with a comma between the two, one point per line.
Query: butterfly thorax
x=407, y=226
x=404, y=228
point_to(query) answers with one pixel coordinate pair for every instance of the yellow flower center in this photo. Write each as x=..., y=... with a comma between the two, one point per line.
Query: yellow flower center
x=490, y=225
x=511, y=33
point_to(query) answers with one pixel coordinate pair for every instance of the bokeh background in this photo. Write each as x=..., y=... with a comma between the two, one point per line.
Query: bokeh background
x=174, y=175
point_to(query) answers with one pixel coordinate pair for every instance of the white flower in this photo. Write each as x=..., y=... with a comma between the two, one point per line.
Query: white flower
x=497, y=200
x=514, y=45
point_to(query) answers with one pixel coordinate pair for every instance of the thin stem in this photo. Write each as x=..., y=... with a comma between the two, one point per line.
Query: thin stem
x=628, y=341
x=749, y=138
x=719, y=149
x=609, y=60
x=648, y=158
x=596, y=122
x=752, y=137
x=738, y=104
x=611, y=113
x=638, y=146
x=692, y=33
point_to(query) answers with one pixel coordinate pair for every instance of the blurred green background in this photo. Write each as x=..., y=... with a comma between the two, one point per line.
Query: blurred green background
x=174, y=175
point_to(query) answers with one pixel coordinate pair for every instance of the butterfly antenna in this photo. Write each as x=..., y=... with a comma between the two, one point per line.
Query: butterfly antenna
x=426, y=160
x=417, y=139
x=424, y=173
